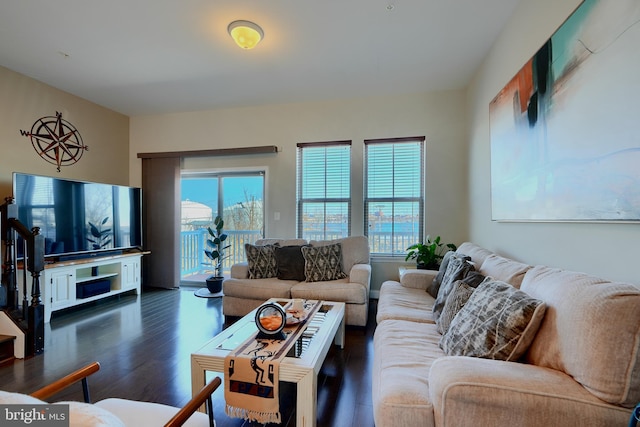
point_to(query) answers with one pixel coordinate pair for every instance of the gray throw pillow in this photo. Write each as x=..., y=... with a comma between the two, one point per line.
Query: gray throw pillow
x=455, y=301
x=497, y=322
x=437, y=281
x=290, y=263
x=322, y=263
x=458, y=267
x=474, y=278
x=261, y=261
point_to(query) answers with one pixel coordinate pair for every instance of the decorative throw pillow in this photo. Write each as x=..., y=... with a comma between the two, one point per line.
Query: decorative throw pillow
x=474, y=278
x=323, y=263
x=437, y=281
x=261, y=260
x=498, y=322
x=455, y=301
x=457, y=268
x=290, y=263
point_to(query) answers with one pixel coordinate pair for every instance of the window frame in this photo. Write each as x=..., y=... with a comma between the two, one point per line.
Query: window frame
x=395, y=251
x=301, y=201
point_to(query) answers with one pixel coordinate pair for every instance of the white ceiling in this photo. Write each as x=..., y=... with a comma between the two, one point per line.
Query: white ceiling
x=159, y=56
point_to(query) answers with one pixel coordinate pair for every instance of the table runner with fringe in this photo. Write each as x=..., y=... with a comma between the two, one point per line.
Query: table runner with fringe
x=252, y=372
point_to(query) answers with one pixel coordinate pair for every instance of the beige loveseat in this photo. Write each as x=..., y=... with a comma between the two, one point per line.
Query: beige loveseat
x=581, y=368
x=242, y=294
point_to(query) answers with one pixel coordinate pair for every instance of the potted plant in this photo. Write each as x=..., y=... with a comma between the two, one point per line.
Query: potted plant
x=216, y=254
x=100, y=236
x=429, y=254
x=100, y=239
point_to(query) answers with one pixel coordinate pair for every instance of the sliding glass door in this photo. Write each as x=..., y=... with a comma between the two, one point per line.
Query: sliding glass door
x=238, y=198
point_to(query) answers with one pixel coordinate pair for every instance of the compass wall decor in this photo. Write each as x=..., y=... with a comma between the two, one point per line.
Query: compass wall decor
x=56, y=140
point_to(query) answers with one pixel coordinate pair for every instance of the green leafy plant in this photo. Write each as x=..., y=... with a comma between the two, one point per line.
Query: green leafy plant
x=217, y=246
x=429, y=254
x=100, y=236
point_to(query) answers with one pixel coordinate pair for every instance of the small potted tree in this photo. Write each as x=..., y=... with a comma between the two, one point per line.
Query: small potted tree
x=100, y=239
x=216, y=253
x=429, y=254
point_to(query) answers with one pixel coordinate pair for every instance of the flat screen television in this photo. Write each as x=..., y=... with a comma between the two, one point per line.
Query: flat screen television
x=78, y=218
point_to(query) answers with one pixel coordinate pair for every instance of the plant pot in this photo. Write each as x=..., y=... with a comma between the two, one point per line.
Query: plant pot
x=427, y=266
x=214, y=284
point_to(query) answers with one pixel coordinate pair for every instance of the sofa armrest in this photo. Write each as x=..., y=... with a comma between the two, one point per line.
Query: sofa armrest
x=468, y=391
x=361, y=273
x=240, y=270
x=417, y=279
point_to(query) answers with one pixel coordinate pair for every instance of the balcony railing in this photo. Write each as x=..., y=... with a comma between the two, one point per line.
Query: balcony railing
x=194, y=264
x=193, y=243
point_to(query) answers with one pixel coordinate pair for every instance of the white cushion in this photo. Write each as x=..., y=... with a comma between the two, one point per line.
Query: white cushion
x=142, y=414
x=87, y=415
x=9, y=398
x=80, y=414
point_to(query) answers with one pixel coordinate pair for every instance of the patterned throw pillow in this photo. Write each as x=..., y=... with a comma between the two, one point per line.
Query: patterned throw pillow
x=437, y=281
x=457, y=268
x=323, y=263
x=498, y=322
x=455, y=301
x=261, y=260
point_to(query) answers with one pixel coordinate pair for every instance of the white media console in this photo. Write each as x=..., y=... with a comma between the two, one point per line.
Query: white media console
x=69, y=283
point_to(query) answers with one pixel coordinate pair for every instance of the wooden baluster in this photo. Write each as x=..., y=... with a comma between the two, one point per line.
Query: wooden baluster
x=9, y=282
x=36, y=309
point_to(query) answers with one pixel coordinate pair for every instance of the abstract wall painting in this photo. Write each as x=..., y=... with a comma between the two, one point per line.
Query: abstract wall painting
x=565, y=131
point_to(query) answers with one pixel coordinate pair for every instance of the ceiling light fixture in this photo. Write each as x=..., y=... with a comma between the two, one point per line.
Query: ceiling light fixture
x=246, y=34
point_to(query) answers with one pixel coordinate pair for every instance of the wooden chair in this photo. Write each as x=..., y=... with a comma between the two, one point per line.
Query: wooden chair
x=179, y=418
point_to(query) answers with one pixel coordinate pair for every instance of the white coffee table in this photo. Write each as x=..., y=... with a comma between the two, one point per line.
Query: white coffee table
x=325, y=328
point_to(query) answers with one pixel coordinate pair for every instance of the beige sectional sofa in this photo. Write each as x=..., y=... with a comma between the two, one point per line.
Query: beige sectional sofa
x=242, y=294
x=581, y=368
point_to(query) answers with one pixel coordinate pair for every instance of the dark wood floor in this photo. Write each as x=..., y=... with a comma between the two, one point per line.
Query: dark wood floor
x=144, y=343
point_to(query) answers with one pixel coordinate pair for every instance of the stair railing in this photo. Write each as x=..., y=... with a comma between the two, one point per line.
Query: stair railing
x=33, y=312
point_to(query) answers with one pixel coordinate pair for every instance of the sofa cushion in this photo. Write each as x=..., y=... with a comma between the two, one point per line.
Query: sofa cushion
x=340, y=290
x=290, y=262
x=498, y=322
x=280, y=242
x=591, y=332
x=457, y=268
x=477, y=253
x=262, y=261
x=355, y=250
x=402, y=357
x=455, y=301
x=322, y=263
x=399, y=302
x=261, y=289
x=504, y=269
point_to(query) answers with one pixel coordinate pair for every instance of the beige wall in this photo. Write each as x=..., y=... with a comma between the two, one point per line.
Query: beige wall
x=607, y=250
x=439, y=116
x=24, y=100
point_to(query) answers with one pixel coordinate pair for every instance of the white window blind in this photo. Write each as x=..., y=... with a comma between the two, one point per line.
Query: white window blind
x=394, y=194
x=324, y=190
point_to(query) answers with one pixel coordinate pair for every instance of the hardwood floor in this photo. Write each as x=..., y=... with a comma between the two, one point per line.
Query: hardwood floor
x=144, y=343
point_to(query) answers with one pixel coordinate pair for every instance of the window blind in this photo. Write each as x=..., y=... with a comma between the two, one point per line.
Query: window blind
x=324, y=190
x=394, y=194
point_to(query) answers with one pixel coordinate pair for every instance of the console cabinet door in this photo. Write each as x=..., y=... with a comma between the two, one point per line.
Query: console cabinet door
x=63, y=287
x=130, y=273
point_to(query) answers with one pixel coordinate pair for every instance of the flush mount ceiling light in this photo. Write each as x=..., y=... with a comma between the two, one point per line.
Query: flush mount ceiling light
x=246, y=34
